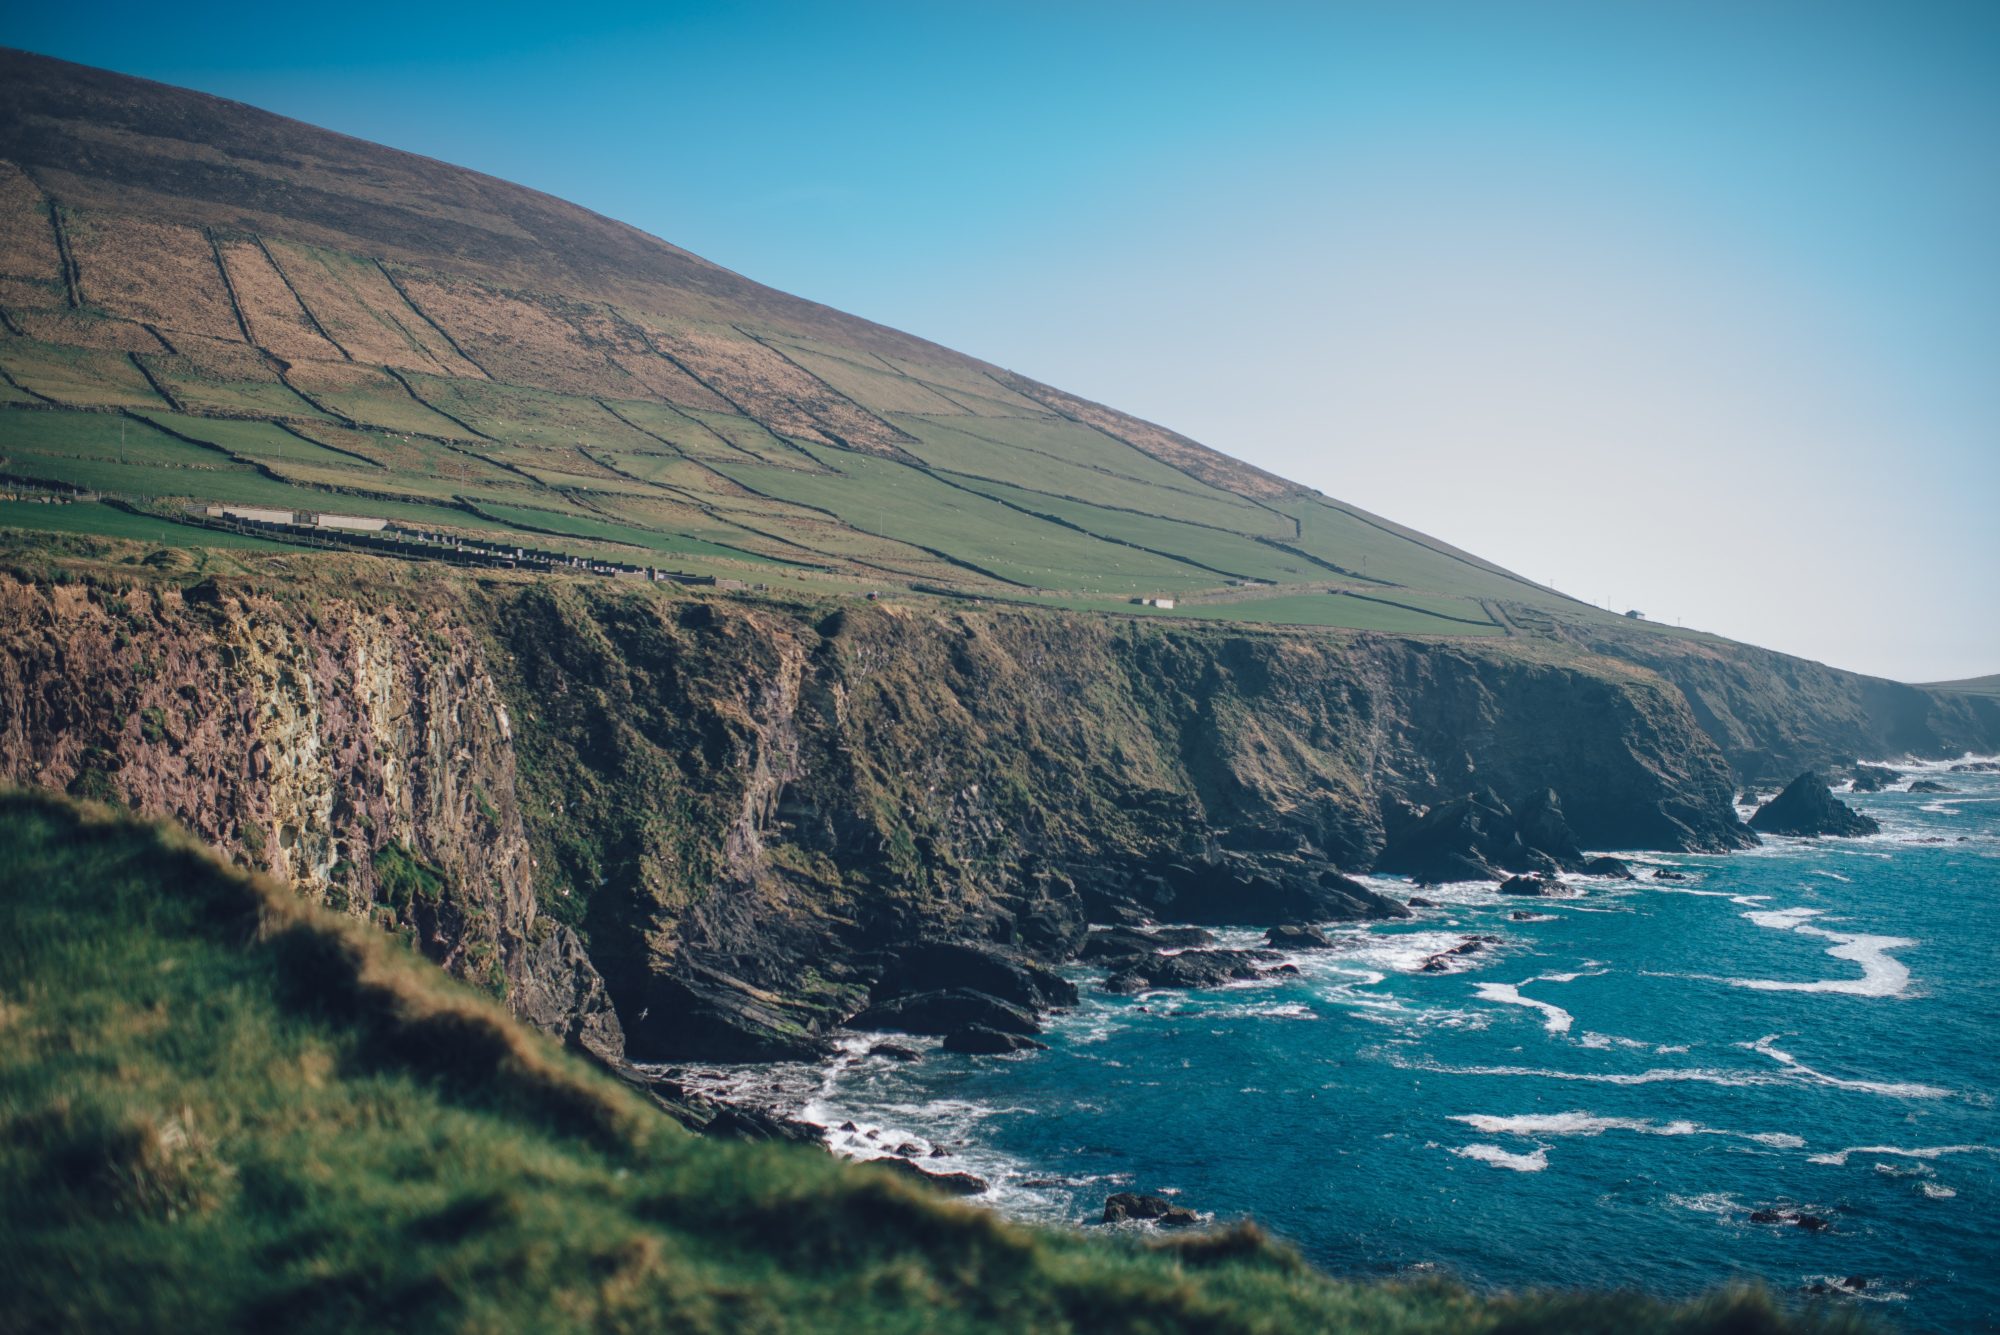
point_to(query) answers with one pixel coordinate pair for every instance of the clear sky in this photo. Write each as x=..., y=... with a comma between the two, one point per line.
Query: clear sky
x=1691, y=307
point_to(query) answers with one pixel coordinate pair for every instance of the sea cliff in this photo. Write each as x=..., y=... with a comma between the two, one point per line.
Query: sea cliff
x=688, y=826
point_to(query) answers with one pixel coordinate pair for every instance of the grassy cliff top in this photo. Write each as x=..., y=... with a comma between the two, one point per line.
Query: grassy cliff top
x=220, y=1108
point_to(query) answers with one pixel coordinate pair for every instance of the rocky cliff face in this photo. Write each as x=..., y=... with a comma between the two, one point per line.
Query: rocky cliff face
x=363, y=752
x=704, y=822
x=740, y=805
x=1774, y=715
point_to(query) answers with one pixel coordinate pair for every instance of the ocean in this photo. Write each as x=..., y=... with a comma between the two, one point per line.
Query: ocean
x=1601, y=1099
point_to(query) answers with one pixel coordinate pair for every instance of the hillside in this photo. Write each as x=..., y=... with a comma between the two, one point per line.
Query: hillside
x=222, y=1109
x=206, y=304
x=1989, y=686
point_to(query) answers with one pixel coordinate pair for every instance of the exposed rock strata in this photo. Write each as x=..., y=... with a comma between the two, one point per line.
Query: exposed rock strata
x=752, y=815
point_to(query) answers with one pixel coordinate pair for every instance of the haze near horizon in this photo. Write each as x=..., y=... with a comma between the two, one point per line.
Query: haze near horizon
x=1692, y=312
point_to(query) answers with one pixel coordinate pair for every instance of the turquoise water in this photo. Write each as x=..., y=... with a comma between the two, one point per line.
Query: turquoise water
x=1600, y=1100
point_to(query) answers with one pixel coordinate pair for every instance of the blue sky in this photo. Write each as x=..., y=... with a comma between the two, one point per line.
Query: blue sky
x=1690, y=307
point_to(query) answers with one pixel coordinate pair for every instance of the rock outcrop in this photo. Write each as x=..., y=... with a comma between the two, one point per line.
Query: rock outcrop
x=1807, y=807
x=1480, y=837
x=1126, y=1206
x=1190, y=969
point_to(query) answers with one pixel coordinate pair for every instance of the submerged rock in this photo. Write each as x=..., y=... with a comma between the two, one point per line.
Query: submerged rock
x=1126, y=1205
x=1873, y=778
x=1808, y=807
x=1446, y=960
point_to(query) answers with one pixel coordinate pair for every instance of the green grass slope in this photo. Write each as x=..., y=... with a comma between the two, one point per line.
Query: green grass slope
x=221, y=1109
x=1989, y=686
x=201, y=303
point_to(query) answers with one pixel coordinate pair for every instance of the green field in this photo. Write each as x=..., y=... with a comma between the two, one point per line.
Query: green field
x=878, y=462
x=104, y=521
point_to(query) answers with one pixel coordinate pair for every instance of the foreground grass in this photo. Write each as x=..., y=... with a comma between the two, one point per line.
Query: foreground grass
x=220, y=1108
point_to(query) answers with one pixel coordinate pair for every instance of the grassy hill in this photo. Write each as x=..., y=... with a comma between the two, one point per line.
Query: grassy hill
x=204, y=304
x=223, y=1109
x=1988, y=686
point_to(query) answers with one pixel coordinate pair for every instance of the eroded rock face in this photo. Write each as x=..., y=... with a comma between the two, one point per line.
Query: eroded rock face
x=1480, y=837
x=1808, y=807
x=757, y=820
x=361, y=750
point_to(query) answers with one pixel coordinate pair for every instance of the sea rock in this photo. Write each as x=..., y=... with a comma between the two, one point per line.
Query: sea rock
x=936, y=965
x=1808, y=807
x=1298, y=936
x=944, y=1010
x=1126, y=1205
x=1529, y=885
x=1121, y=943
x=953, y=1184
x=895, y=1052
x=1615, y=868
x=1930, y=786
x=1419, y=902
x=1873, y=778
x=1445, y=960
x=1190, y=968
x=1977, y=767
x=983, y=1040
x=1665, y=874
x=742, y=1122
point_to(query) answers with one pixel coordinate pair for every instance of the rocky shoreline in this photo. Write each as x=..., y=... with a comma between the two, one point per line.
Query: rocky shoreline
x=983, y=999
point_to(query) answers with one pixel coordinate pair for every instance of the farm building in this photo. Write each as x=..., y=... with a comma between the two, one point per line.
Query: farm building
x=251, y=514
x=357, y=523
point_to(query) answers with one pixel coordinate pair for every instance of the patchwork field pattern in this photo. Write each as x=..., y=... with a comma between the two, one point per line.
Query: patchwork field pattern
x=323, y=325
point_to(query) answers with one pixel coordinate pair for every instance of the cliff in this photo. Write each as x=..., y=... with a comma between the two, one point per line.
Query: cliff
x=1775, y=716
x=729, y=809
